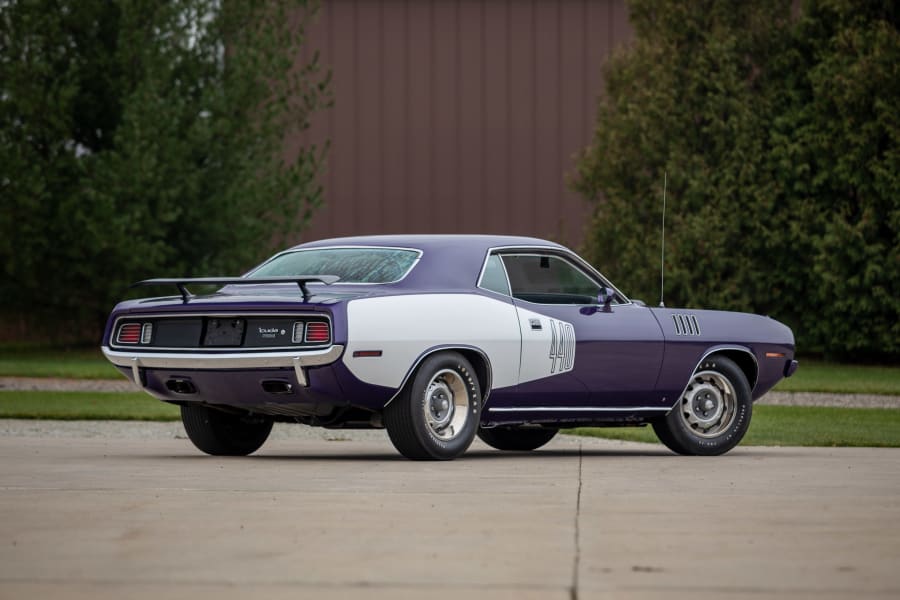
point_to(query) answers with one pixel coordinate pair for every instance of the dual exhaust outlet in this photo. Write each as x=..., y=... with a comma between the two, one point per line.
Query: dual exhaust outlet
x=186, y=387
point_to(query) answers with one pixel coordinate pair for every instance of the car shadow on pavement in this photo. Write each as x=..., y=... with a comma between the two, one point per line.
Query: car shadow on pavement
x=479, y=454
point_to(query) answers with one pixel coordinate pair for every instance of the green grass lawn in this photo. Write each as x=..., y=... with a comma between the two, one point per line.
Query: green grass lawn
x=89, y=363
x=795, y=426
x=81, y=363
x=818, y=376
x=74, y=406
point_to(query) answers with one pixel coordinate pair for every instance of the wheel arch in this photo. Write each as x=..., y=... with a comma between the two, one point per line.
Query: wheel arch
x=742, y=357
x=477, y=357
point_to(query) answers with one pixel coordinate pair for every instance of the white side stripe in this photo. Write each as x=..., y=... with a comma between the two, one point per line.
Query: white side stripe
x=580, y=409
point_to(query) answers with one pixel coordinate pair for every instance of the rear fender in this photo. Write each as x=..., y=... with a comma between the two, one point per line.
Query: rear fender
x=475, y=356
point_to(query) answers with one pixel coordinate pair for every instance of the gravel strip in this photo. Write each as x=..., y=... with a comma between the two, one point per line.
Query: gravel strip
x=91, y=429
x=53, y=384
x=833, y=400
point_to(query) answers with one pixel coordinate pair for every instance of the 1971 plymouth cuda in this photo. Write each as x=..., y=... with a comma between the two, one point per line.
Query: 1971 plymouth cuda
x=439, y=339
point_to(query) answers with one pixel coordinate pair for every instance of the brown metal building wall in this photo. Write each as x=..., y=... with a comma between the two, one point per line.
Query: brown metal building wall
x=456, y=116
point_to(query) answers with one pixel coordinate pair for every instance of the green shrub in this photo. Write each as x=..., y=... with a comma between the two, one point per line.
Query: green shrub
x=779, y=133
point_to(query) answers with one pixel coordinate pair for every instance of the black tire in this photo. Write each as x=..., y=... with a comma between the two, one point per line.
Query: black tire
x=419, y=427
x=696, y=425
x=517, y=438
x=224, y=434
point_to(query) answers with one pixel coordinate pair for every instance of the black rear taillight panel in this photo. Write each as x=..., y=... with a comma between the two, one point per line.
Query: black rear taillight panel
x=306, y=331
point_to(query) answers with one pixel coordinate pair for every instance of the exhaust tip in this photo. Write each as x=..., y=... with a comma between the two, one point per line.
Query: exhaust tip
x=181, y=386
x=278, y=387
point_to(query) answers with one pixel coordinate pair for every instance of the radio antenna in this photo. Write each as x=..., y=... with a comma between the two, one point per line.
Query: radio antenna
x=662, y=258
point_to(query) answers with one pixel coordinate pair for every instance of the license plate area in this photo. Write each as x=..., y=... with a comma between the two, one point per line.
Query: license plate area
x=224, y=331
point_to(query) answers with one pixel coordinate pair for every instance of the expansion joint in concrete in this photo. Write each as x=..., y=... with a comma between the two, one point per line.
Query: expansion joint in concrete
x=573, y=590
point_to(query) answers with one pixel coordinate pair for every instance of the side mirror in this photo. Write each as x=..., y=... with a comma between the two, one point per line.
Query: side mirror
x=605, y=297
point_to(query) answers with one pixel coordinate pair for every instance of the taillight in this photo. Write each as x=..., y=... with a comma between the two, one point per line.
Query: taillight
x=135, y=333
x=317, y=332
x=297, y=336
x=129, y=333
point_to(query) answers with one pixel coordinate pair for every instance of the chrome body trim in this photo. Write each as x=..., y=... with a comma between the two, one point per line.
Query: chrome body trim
x=560, y=251
x=580, y=409
x=299, y=372
x=231, y=360
x=487, y=257
x=136, y=373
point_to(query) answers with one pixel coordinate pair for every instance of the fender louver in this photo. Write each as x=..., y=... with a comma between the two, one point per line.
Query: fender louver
x=686, y=324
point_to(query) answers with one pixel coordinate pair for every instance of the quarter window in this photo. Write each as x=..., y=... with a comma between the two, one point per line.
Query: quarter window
x=494, y=278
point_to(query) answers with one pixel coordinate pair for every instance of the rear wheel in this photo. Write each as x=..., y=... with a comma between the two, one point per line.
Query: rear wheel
x=436, y=415
x=517, y=438
x=224, y=434
x=713, y=414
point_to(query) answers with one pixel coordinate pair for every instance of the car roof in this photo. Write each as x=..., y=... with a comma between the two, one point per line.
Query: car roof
x=432, y=241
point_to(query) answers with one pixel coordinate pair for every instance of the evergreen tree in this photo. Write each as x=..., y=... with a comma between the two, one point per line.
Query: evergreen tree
x=143, y=138
x=779, y=133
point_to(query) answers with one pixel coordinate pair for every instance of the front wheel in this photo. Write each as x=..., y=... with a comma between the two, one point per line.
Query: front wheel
x=436, y=415
x=713, y=414
x=517, y=438
x=224, y=434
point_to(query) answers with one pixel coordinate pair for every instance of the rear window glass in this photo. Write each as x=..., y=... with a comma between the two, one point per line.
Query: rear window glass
x=352, y=265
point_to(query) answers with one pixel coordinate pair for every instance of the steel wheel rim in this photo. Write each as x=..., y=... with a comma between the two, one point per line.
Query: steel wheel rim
x=709, y=404
x=446, y=402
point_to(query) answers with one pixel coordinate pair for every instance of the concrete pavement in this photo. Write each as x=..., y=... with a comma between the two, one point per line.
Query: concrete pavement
x=148, y=516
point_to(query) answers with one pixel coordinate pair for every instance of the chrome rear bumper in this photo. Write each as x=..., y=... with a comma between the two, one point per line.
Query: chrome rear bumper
x=136, y=360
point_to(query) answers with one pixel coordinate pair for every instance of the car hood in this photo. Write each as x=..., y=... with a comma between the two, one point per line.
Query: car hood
x=722, y=326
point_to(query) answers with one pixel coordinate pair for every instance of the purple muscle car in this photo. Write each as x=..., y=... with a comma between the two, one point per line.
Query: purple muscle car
x=438, y=339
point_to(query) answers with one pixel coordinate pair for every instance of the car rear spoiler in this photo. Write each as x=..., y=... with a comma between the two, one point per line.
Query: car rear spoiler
x=180, y=283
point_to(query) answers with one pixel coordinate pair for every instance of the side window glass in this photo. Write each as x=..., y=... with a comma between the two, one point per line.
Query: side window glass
x=549, y=279
x=494, y=277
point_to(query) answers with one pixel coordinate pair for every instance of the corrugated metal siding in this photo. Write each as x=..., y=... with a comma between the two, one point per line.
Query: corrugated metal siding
x=459, y=116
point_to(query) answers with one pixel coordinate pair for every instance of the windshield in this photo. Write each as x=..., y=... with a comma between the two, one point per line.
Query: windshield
x=352, y=265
